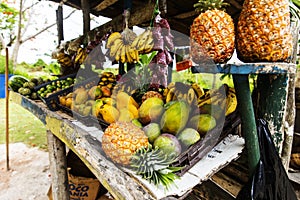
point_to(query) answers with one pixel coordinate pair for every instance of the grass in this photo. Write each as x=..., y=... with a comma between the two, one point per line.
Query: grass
x=23, y=126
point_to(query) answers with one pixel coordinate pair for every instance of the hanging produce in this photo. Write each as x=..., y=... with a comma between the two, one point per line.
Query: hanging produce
x=263, y=31
x=212, y=33
x=163, y=43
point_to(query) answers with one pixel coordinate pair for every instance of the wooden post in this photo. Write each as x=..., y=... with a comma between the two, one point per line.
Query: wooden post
x=249, y=129
x=58, y=167
x=7, y=108
x=271, y=104
x=290, y=117
x=59, y=22
x=85, y=6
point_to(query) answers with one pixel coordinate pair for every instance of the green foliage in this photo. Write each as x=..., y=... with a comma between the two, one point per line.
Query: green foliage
x=54, y=68
x=8, y=21
x=39, y=62
x=23, y=126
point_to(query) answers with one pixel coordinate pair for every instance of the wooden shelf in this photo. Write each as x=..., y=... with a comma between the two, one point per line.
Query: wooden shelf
x=120, y=182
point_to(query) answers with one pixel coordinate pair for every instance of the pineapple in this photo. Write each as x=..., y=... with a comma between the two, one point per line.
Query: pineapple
x=128, y=145
x=263, y=31
x=212, y=33
x=120, y=141
x=150, y=94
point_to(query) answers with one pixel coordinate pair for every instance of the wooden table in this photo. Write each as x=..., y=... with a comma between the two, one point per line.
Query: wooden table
x=121, y=183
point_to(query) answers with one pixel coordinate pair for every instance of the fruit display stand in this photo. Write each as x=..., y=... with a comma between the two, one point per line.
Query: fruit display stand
x=64, y=130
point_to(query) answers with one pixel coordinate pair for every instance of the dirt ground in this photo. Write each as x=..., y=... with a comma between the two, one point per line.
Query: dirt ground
x=29, y=175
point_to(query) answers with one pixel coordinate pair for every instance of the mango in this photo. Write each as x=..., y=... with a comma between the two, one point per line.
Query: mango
x=168, y=143
x=81, y=97
x=203, y=123
x=152, y=131
x=151, y=110
x=188, y=136
x=175, y=117
x=109, y=113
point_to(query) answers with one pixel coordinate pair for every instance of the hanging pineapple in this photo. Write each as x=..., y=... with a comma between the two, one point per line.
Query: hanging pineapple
x=263, y=31
x=212, y=32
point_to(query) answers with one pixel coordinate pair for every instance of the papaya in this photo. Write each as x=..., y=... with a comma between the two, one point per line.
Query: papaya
x=175, y=117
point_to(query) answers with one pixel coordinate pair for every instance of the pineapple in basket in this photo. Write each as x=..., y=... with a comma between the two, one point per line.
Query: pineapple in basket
x=126, y=144
x=212, y=33
x=263, y=31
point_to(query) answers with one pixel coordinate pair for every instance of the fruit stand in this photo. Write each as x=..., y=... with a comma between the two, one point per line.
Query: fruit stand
x=111, y=124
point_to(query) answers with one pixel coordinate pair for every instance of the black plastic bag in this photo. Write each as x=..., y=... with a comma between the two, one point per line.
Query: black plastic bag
x=270, y=180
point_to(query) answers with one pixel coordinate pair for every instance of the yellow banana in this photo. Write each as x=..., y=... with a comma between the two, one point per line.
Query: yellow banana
x=171, y=85
x=112, y=38
x=118, y=53
x=143, y=39
x=231, y=102
x=149, y=43
x=115, y=47
x=191, y=96
x=135, y=41
x=166, y=91
x=198, y=90
x=123, y=54
x=170, y=95
x=129, y=59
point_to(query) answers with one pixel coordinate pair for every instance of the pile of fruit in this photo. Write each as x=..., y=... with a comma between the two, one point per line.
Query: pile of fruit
x=55, y=86
x=162, y=126
x=87, y=98
x=24, y=86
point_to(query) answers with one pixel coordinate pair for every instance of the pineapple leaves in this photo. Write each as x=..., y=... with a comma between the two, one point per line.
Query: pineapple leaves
x=204, y=5
x=154, y=165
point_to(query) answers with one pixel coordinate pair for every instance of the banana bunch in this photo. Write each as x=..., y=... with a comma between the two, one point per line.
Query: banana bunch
x=107, y=79
x=64, y=59
x=121, y=51
x=144, y=42
x=179, y=91
x=81, y=55
x=216, y=97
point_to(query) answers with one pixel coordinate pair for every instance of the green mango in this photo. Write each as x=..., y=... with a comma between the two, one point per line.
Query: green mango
x=175, y=117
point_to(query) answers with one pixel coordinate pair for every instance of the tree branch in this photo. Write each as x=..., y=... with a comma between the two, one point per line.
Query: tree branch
x=45, y=29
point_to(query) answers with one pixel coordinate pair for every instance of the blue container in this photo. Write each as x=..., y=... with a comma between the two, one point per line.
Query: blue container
x=2, y=85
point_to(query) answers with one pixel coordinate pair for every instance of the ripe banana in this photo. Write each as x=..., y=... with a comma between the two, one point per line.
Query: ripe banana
x=114, y=36
x=123, y=54
x=198, y=89
x=115, y=47
x=170, y=95
x=231, y=101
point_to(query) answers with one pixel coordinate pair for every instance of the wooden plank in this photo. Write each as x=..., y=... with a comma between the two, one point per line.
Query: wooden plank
x=104, y=4
x=58, y=167
x=246, y=68
x=138, y=15
x=88, y=149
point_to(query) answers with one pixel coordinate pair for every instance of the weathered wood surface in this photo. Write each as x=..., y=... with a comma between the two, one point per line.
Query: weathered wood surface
x=86, y=143
x=88, y=149
x=247, y=68
x=58, y=167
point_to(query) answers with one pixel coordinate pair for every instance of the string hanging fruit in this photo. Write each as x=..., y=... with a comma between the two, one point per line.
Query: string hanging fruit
x=263, y=31
x=212, y=33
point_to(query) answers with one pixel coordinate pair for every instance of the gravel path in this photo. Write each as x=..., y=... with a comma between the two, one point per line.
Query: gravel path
x=29, y=175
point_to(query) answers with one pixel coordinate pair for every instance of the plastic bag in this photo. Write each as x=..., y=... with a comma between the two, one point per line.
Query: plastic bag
x=270, y=180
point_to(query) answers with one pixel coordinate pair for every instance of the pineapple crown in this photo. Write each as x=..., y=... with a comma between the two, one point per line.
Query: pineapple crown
x=204, y=5
x=154, y=166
